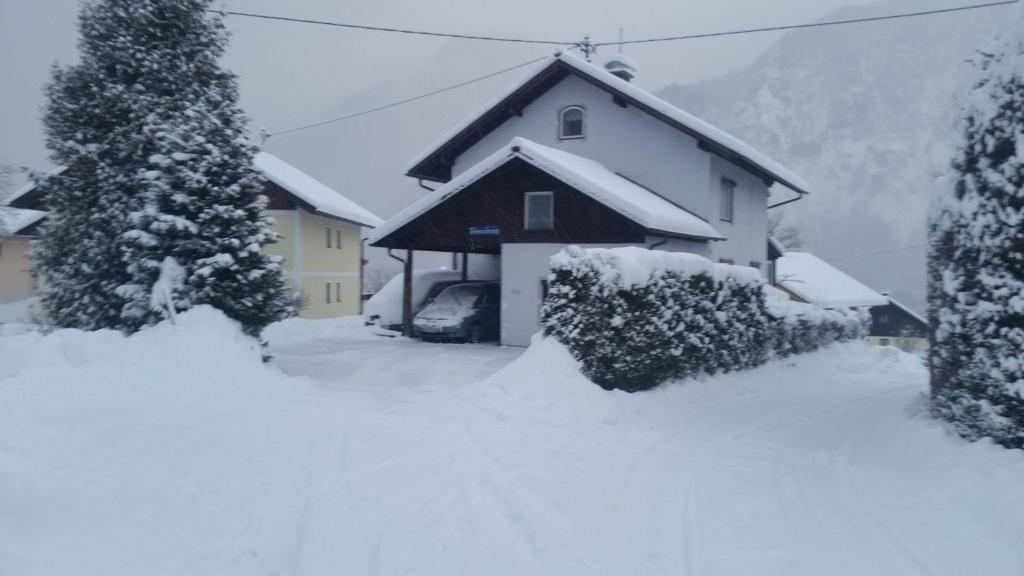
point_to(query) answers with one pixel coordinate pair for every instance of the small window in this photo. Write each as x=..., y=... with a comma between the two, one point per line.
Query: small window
x=540, y=210
x=328, y=286
x=337, y=238
x=883, y=341
x=755, y=264
x=337, y=291
x=328, y=241
x=570, y=123
x=728, y=194
x=729, y=261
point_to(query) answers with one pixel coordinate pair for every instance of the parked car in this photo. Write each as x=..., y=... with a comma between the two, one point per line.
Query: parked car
x=467, y=311
x=384, y=308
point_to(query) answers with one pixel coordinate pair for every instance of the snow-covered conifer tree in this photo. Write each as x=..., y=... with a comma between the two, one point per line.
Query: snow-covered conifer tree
x=158, y=166
x=977, y=260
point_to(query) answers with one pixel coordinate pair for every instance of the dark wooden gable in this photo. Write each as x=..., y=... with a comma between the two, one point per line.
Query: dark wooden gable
x=497, y=200
x=893, y=321
x=280, y=199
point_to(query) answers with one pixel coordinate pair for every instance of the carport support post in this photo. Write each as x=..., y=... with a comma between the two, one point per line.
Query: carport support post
x=407, y=296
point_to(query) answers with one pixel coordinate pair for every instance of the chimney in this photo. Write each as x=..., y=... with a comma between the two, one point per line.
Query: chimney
x=622, y=66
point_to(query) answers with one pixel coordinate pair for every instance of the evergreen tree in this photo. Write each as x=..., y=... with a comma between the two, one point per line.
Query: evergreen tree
x=159, y=176
x=977, y=261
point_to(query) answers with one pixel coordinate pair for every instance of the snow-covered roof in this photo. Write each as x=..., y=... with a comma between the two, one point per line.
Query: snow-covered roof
x=14, y=220
x=29, y=186
x=904, y=307
x=589, y=177
x=660, y=107
x=321, y=197
x=820, y=283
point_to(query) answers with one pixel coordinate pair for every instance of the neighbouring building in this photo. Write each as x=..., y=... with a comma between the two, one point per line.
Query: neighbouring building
x=321, y=240
x=17, y=229
x=807, y=278
x=577, y=154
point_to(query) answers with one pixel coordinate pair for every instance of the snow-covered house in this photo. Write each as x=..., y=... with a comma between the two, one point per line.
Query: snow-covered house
x=320, y=232
x=577, y=154
x=17, y=228
x=807, y=278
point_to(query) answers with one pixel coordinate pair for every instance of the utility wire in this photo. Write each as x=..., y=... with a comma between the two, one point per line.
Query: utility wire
x=387, y=29
x=877, y=253
x=408, y=100
x=811, y=25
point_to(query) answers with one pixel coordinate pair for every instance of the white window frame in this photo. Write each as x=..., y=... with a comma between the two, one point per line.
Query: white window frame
x=729, y=186
x=526, y=209
x=583, y=123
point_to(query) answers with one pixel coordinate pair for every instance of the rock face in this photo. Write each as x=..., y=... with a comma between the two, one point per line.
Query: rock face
x=868, y=114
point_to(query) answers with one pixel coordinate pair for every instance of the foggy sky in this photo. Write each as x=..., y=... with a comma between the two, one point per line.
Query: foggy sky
x=295, y=74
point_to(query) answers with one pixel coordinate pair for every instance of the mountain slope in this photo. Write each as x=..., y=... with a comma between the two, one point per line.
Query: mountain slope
x=867, y=113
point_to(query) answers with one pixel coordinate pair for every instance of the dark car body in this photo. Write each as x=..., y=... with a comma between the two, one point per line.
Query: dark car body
x=467, y=311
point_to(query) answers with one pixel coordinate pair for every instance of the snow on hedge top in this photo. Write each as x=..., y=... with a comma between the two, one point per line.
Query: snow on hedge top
x=322, y=198
x=820, y=283
x=632, y=266
x=589, y=177
x=613, y=82
x=13, y=220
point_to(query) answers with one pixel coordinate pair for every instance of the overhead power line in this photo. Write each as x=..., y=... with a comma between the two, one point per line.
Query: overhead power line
x=811, y=25
x=408, y=100
x=388, y=29
x=894, y=250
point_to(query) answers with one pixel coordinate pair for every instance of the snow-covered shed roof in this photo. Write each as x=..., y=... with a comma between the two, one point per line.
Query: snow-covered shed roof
x=430, y=164
x=320, y=197
x=589, y=177
x=906, y=309
x=818, y=282
x=16, y=222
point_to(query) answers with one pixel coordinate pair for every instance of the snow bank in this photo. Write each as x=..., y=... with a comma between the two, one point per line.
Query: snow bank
x=385, y=307
x=113, y=447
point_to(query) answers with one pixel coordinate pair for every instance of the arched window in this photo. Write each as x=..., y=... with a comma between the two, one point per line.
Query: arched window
x=570, y=122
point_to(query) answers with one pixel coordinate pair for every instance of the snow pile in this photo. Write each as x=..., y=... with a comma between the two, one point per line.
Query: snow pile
x=118, y=450
x=637, y=318
x=385, y=307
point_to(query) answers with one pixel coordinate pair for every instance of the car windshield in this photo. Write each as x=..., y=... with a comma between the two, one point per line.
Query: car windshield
x=460, y=295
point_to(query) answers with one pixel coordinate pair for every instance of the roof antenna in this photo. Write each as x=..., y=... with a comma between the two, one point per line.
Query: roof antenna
x=586, y=47
x=264, y=136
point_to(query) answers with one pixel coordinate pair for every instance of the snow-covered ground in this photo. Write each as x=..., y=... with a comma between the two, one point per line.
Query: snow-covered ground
x=177, y=452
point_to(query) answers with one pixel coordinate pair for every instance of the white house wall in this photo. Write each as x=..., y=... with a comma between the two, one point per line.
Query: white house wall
x=747, y=234
x=524, y=267
x=648, y=151
x=626, y=140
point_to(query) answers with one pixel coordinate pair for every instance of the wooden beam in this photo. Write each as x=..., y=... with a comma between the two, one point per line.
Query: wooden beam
x=407, y=296
x=465, y=266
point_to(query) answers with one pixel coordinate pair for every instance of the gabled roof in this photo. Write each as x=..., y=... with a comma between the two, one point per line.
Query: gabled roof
x=434, y=163
x=18, y=222
x=591, y=178
x=315, y=195
x=909, y=312
x=818, y=282
x=27, y=196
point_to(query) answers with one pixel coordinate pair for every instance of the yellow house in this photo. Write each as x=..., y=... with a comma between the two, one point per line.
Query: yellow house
x=17, y=228
x=320, y=240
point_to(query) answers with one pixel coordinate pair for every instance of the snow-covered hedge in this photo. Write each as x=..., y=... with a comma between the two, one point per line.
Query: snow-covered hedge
x=636, y=318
